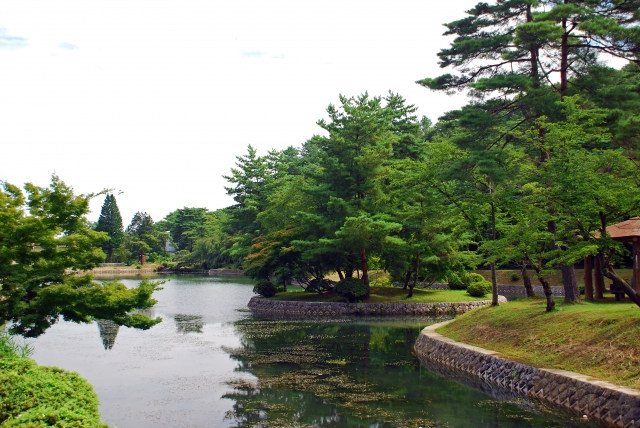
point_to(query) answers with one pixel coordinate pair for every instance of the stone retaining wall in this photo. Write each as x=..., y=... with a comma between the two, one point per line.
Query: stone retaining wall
x=519, y=290
x=583, y=395
x=260, y=305
x=509, y=290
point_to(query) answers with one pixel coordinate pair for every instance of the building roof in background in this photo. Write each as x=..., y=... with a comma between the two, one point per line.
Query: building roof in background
x=625, y=230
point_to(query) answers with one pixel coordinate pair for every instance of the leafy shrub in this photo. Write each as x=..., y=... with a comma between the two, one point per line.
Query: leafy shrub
x=34, y=396
x=471, y=278
x=319, y=286
x=514, y=276
x=352, y=289
x=265, y=288
x=479, y=288
x=382, y=281
x=456, y=283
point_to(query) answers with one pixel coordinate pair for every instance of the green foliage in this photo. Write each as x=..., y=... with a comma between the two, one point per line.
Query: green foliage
x=381, y=281
x=186, y=226
x=462, y=281
x=200, y=236
x=456, y=282
x=265, y=288
x=9, y=347
x=319, y=286
x=472, y=278
x=352, y=289
x=34, y=396
x=142, y=237
x=110, y=221
x=527, y=173
x=514, y=276
x=479, y=288
x=41, y=252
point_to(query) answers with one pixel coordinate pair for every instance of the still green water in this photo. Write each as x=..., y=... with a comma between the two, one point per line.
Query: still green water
x=211, y=363
x=359, y=374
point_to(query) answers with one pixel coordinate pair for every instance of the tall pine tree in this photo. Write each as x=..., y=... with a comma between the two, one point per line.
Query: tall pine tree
x=110, y=221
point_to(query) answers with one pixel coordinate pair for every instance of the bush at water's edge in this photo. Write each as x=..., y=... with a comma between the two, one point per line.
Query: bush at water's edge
x=35, y=396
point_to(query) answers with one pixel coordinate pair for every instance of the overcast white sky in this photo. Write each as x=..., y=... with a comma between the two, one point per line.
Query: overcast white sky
x=156, y=98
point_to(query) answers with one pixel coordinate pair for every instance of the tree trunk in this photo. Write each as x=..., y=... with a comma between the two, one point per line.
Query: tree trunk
x=599, y=280
x=548, y=294
x=494, y=281
x=588, y=278
x=570, y=283
x=407, y=278
x=365, y=271
x=564, y=57
x=494, y=286
x=340, y=274
x=526, y=280
x=610, y=273
x=348, y=272
x=416, y=269
x=635, y=283
x=533, y=53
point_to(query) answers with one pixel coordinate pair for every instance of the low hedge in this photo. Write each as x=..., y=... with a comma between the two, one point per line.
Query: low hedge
x=35, y=396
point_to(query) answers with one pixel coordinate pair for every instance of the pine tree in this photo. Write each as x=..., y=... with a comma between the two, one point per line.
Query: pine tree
x=110, y=221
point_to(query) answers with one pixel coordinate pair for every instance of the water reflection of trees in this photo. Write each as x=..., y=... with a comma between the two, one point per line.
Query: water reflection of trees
x=188, y=323
x=321, y=373
x=350, y=374
x=108, y=331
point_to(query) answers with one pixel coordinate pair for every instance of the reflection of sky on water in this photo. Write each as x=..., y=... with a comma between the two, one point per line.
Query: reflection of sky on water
x=162, y=377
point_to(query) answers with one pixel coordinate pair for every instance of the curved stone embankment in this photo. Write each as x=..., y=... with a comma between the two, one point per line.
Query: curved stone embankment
x=583, y=395
x=260, y=305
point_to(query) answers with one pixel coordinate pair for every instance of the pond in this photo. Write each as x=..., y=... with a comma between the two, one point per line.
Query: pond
x=210, y=363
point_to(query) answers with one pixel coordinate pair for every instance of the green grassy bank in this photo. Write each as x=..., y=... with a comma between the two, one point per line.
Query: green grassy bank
x=35, y=396
x=596, y=339
x=383, y=295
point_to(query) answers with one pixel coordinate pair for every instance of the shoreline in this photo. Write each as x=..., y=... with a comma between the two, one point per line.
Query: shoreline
x=261, y=306
x=602, y=401
x=142, y=271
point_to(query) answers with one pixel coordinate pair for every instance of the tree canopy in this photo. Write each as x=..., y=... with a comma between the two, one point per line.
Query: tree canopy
x=527, y=174
x=110, y=221
x=45, y=244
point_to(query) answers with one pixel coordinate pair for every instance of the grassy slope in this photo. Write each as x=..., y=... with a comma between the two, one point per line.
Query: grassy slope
x=597, y=339
x=385, y=294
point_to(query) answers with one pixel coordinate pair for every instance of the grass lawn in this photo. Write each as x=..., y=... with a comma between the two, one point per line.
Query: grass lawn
x=597, y=339
x=384, y=295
